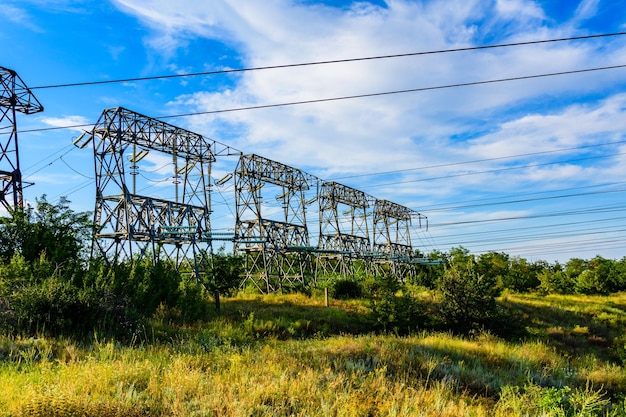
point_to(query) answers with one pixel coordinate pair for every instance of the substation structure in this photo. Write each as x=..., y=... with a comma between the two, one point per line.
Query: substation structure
x=15, y=97
x=277, y=244
x=128, y=224
x=357, y=234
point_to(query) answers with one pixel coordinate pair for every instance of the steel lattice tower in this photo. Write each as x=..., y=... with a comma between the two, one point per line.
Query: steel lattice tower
x=15, y=97
x=277, y=249
x=392, y=238
x=344, y=234
x=176, y=222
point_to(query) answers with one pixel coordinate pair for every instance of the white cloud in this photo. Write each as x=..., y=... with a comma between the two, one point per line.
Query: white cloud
x=80, y=122
x=19, y=16
x=586, y=9
x=436, y=128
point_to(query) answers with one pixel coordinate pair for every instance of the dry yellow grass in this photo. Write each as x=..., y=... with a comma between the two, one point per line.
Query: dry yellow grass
x=220, y=370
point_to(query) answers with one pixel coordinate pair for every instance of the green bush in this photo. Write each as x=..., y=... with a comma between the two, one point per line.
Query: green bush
x=346, y=289
x=468, y=300
x=392, y=309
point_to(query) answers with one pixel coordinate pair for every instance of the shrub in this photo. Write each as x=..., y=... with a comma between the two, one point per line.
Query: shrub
x=345, y=289
x=394, y=310
x=556, y=282
x=468, y=300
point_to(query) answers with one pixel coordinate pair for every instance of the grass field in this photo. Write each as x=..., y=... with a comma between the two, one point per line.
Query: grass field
x=291, y=355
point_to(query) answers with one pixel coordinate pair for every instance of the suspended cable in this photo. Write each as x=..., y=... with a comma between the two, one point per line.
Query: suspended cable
x=475, y=161
x=387, y=93
x=491, y=171
x=326, y=62
x=351, y=97
x=603, y=209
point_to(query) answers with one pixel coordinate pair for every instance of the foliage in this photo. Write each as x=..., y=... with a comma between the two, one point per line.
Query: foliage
x=468, y=299
x=51, y=229
x=555, y=282
x=345, y=289
x=595, y=276
x=36, y=301
x=551, y=401
x=260, y=358
x=226, y=271
x=394, y=309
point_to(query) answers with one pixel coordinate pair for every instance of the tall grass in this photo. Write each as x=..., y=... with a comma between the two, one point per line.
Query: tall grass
x=256, y=360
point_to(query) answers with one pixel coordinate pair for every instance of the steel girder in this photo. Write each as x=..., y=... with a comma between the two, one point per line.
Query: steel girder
x=130, y=224
x=277, y=251
x=15, y=97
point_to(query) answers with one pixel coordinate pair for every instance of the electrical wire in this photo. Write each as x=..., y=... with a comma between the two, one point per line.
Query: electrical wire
x=405, y=91
x=352, y=97
x=475, y=161
x=326, y=62
x=491, y=171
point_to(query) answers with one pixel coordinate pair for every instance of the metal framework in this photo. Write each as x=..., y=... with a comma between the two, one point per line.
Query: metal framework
x=392, y=249
x=176, y=222
x=344, y=233
x=357, y=233
x=277, y=249
x=15, y=97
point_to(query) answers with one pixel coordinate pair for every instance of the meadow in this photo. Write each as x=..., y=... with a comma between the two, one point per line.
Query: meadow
x=290, y=355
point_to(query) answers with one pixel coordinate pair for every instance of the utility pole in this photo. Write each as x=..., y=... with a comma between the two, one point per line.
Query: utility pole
x=15, y=97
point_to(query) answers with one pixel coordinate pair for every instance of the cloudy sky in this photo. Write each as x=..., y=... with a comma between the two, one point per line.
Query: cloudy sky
x=534, y=166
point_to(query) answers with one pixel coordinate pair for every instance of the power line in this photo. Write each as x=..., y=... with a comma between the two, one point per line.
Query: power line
x=491, y=171
x=603, y=209
x=475, y=161
x=326, y=62
x=387, y=93
x=526, y=200
x=352, y=97
x=444, y=206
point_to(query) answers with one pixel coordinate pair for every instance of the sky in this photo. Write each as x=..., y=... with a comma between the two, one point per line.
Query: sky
x=533, y=167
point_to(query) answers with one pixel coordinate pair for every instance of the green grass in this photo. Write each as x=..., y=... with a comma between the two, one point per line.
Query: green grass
x=291, y=355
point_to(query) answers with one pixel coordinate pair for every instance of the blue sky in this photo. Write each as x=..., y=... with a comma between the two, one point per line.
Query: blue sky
x=534, y=168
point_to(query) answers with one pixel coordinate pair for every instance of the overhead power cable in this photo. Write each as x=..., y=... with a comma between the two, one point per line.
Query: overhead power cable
x=475, y=161
x=387, y=93
x=326, y=62
x=351, y=97
x=491, y=171
x=604, y=209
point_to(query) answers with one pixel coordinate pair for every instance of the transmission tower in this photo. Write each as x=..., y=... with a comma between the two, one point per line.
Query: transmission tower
x=392, y=238
x=15, y=97
x=344, y=234
x=173, y=221
x=272, y=233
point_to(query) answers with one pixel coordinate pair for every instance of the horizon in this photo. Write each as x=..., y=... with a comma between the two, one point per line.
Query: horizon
x=497, y=153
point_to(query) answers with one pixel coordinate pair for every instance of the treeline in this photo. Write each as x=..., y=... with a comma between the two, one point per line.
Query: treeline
x=49, y=285
x=577, y=276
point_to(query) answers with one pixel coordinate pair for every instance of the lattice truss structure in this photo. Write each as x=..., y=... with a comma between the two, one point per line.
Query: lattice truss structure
x=271, y=226
x=152, y=195
x=392, y=248
x=344, y=238
x=15, y=97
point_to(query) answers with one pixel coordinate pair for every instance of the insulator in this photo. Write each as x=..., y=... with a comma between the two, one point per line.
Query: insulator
x=139, y=156
x=80, y=143
x=224, y=179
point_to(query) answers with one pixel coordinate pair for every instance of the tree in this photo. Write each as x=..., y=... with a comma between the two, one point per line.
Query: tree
x=468, y=299
x=522, y=275
x=495, y=265
x=50, y=229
